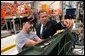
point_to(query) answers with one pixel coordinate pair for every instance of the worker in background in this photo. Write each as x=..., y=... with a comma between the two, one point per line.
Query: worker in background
x=52, y=15
x=26, y=39
x=35, y=14
x=47, y=27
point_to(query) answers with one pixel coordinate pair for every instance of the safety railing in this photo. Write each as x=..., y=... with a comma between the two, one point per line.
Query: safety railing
x=14, y=25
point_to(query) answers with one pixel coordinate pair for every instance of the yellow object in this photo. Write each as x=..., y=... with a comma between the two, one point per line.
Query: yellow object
x=8, y=47
x=45, y=7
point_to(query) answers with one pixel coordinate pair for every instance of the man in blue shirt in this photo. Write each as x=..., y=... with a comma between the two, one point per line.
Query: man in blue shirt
x=25, y=38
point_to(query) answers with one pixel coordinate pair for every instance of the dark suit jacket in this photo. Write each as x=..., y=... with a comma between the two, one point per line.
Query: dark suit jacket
x=50, y=28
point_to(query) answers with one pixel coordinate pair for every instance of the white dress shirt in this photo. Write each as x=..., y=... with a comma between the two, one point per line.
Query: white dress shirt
x=41, y=30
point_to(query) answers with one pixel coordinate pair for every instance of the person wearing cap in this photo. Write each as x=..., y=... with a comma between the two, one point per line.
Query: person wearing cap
x=25, y=38
x=47, y=27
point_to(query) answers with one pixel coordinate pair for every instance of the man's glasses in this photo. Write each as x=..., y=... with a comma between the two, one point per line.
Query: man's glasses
x=30, y=22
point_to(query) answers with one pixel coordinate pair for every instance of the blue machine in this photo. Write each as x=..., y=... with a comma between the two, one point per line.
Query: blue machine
x=70, y=13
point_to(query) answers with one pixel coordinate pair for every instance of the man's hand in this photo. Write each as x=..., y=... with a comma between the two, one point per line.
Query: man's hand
x=68, y=23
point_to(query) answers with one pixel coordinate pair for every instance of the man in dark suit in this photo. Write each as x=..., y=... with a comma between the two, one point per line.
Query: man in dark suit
x=47, y=27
